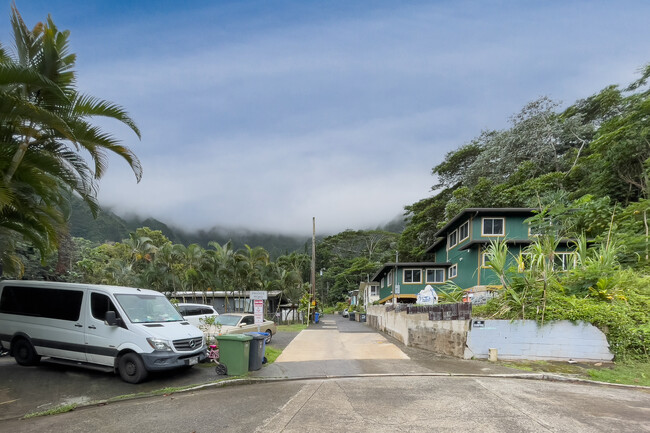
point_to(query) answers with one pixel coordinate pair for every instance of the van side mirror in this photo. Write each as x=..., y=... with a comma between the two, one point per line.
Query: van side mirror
x=111, y=319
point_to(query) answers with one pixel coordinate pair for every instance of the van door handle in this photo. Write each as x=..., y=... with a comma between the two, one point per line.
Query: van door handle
x=92, y=327
x=78, y=325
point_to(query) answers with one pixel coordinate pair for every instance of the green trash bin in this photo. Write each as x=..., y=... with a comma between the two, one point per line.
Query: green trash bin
x=234, y=352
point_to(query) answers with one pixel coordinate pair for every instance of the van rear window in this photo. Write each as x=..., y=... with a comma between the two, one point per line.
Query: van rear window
x=41, y=302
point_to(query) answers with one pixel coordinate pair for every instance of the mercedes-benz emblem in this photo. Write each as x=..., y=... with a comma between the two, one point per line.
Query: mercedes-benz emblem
x=192, y=343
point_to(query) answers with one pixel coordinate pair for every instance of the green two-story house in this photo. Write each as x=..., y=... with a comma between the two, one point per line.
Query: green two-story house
x=459, y=254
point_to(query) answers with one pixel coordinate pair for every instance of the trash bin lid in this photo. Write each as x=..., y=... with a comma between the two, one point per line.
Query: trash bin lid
x=257, y=335
x=239, y=337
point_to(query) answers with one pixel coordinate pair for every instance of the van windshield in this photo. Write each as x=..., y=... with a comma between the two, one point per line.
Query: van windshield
x=148, y=308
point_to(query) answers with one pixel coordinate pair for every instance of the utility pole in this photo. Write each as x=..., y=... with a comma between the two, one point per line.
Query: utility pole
x=312, y=296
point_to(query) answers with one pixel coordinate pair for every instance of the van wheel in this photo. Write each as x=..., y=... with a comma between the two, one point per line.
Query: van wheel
x=268, y=339
x=24, y=352
x=131, y=368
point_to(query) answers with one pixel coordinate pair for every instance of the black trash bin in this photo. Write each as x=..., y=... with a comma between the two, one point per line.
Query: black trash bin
x=256, y=358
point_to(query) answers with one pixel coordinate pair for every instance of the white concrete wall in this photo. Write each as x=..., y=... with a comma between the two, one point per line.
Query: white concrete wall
x=516, y=340
x=525, y=339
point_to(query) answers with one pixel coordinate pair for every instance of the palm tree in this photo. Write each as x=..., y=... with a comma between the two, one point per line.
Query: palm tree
x=44, y=123
x=225, y=267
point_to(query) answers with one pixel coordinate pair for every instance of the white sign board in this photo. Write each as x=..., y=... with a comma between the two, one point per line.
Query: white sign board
x=259, y=295
x=397, y=289
x=258, y=310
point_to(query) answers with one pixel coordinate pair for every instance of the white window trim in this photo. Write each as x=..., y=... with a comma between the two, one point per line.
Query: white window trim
x=466, y=237
x=383, y=282
x=426, y=275
x=411, y=269
x=389, y=279
x=449, y=244
x=455, y=268
x=490, y=218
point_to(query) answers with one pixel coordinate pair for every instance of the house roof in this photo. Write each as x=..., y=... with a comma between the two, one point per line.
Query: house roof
x=390, y=266
x=478, y=211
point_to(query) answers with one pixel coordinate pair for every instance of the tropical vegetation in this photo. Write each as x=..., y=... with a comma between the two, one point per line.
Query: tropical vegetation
x=45, y=125
x=586, y=166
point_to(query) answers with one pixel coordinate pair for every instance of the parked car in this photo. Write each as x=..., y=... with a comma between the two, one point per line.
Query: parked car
x=119, y=329
x=193, y=313
x=241, y=323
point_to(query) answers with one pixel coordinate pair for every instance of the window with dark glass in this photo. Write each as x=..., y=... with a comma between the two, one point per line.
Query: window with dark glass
x=493, y=226
x=412, y=276
x=463, y=231
x=435, y=276
x=42, y=302
x=100, y=304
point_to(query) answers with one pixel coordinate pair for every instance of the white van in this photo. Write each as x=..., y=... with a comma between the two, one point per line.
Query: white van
x=131, y=331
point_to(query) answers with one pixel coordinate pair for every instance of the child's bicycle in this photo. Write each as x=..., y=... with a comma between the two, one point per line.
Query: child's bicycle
x=213, y=355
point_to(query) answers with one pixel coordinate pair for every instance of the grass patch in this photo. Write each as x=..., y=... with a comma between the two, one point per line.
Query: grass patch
x=55, y=411
x=295, y=327
x=630, y=373
x=626, y=373
x=272, y=354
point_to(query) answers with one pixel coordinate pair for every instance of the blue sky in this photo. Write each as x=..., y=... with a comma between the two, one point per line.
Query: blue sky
x=264, y=114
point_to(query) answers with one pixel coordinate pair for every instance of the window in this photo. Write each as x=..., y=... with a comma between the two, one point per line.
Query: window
x=453, y=271
x=383, y=283
x=485, y=259
x=463, y=231
x=412, y=276
x=563, y=261
x=41, y=302
x=452, y=239
x=243, y=304
x=389, y=279
x=493, y=226
x=435, y=276
x=374, y=290
x=100, y=304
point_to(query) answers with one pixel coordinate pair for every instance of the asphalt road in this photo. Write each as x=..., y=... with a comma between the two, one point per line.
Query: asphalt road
x=378, y=404
x=403, y=394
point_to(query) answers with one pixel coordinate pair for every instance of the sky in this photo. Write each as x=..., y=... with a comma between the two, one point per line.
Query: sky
x=261, y=115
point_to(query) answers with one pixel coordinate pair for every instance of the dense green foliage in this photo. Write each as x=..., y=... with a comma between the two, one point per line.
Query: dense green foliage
x=599, y=146
x=346, y=259
x=148, y=259
x=588, y=169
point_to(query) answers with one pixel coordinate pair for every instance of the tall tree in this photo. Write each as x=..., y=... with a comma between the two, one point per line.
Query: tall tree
x=44, y=123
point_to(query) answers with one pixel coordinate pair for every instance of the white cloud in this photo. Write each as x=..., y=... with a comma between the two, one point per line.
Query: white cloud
x=263, y=126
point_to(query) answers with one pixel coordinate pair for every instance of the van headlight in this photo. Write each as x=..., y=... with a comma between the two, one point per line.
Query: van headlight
x=159, y=344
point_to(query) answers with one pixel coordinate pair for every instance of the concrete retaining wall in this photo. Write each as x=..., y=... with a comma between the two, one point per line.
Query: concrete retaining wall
x=516, y=340
x=525, y=339
x=448, y=337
